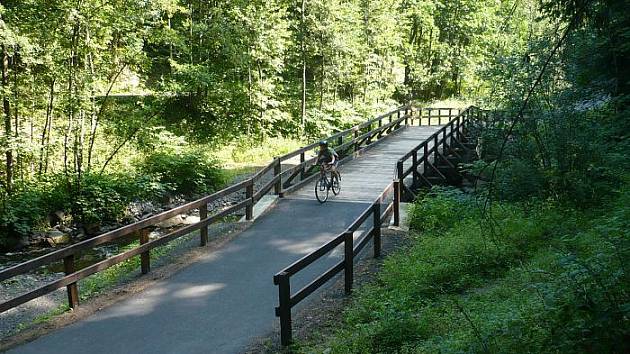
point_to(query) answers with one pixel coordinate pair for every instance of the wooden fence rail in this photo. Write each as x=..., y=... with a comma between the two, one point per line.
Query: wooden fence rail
x=283, y=278
x=449, y=139
x=281, y=176
x=442, y=140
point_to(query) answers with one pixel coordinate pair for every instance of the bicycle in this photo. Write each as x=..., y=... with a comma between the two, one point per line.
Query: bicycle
x=327, y=181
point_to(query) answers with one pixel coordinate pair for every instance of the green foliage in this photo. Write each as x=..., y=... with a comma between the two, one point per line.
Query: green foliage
x=101, y=198
x=187, y=172
x=21, y=213
x=431, y=214
x=247, y=151
x=547, y=280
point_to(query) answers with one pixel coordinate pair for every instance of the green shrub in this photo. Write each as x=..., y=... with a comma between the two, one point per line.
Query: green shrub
x=548, y=280
x=438, y=209
x=186, y=172
x=20, y=212
x=102, y=198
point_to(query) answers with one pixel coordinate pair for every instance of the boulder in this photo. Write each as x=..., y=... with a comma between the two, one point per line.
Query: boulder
x=178, y=220
x=172, y=222
x=57, y=237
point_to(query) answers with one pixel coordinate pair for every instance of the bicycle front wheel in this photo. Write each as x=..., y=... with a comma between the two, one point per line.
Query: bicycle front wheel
x=321, y=189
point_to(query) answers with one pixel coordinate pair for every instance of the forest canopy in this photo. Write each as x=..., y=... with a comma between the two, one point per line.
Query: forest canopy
x=113, y=92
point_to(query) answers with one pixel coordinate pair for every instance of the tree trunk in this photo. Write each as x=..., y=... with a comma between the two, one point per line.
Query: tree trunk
x=366, y=69
x=192, y=42
x=321, y=86
x=45, y=142
x=303, y=122
x=6, y=106
x=72, y=95
x=16, y=124
x=250, y=96
x=97, y=117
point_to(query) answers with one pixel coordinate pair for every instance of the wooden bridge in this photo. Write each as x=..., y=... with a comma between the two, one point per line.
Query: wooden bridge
x=221, y=302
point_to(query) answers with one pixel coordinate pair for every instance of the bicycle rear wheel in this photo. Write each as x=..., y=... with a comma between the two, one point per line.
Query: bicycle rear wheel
x=321, y=189
x=336, y=186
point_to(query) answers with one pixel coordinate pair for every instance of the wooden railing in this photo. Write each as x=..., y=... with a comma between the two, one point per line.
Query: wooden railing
x=442, y=141
x=282, y=175
x=448, y=140
x=374, y=218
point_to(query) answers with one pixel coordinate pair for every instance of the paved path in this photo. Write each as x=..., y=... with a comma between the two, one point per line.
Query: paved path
x=221, y=303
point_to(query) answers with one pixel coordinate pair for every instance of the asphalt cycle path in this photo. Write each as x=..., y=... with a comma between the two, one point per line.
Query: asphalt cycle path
x=226, y=299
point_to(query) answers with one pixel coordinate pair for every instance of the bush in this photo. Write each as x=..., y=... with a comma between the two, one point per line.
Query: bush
x=185, y=172
x=439, y=209
x=550, y=280
x=102, y=198
x=20, y=212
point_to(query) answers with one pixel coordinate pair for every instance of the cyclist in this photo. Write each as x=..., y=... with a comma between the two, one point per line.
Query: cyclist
x=328, y=156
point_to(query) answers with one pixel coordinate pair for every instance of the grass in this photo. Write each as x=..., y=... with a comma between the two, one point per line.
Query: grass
x=246, y=153
x=546, y=280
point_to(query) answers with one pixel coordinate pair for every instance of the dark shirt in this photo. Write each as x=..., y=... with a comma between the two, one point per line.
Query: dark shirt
x=326, y=155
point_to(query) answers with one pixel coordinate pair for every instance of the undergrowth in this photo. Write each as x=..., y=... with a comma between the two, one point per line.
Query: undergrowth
x=537, y=278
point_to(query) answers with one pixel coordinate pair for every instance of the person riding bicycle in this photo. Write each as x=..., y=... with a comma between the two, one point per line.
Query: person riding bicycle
x=328, y=156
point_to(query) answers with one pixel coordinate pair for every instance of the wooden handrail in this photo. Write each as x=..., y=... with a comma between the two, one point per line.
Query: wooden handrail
x=282, y=278
x=116, y=234
x=252, y=191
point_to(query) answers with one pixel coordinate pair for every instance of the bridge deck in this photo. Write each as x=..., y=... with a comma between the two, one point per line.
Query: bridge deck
x=221, y=303
x=365, y=178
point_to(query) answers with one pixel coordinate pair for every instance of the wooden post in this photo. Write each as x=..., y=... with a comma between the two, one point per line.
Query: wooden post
x=444, y=144
x=356, y=141
x=145, y=257
x=425, y=157
x=348, y=260
x=450, y=114
x=396, y=202
x=406, y=116
x=436, y=150
x=377, y=229
x=277, y=170
x=203, y=232
x=414, y=168
x=72, y=289
x=249, y=194
x=302, y=169
x=284, y=309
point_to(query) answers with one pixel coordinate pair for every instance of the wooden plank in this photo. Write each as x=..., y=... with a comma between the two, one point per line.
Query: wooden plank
x=317, y=283
x=313, y=256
